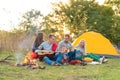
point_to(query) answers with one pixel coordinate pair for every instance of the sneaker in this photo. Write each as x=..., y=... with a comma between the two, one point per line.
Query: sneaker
x=105, y=60
x=101, y=59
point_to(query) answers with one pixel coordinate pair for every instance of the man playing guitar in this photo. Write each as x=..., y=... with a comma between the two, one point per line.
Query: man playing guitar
x=46, y=48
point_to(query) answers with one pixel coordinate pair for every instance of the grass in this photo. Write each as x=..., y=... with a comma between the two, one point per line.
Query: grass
x=108, y=71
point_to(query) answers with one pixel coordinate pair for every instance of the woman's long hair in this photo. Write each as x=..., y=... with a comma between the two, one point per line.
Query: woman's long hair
x=84, y=44
x=39, y=39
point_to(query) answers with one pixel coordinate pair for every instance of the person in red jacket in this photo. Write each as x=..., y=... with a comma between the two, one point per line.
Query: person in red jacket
x=54, y=47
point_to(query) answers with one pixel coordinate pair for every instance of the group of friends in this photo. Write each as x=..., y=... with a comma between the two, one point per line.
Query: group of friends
x=62, y=53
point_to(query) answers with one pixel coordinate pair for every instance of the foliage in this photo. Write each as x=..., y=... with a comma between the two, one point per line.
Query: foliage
x=79, y=16
x=31, y=21
x=116, y=18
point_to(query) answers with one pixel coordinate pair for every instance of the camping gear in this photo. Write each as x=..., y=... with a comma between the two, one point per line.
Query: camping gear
x=97, y=43
x=87, y=59
x=74, y=62
x=90, y=55
x=94, y=62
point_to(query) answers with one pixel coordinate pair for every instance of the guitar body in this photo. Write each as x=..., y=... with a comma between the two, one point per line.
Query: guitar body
x=41, y=55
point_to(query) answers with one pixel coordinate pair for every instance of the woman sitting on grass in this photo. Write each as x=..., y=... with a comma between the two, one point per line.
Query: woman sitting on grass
x=80, y=54
x=38, y=41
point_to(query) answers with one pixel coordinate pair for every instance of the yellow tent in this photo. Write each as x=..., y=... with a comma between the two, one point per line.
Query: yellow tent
x=96, y=43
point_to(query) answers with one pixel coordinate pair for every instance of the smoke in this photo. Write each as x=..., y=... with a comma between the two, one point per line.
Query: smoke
x=24, y=46
x=18, y=57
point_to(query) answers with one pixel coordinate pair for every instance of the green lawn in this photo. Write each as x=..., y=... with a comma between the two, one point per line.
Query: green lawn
x=108, y=71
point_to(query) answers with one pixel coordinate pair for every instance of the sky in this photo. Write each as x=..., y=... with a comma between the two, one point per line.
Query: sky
x=11, y=10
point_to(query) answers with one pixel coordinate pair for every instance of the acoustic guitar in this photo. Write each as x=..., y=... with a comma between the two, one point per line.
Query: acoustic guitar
x=43, y=53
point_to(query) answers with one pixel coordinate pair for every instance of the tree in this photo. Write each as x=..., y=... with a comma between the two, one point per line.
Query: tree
x=115, y=4
x=31, y=21
x=79, y=16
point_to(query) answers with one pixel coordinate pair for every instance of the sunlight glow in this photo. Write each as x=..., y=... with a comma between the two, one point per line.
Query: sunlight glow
x=66, y=31
x=100, y=2
x=12, y=10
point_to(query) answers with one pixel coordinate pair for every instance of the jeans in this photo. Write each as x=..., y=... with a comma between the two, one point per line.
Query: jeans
x=58, y=59
x=48, y=61
x=72, y=55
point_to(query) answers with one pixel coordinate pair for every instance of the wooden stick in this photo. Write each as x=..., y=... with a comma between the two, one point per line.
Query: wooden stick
x=6, y=58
